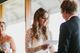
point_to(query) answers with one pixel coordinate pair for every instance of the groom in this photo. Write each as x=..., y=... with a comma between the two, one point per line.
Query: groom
x=69, y=38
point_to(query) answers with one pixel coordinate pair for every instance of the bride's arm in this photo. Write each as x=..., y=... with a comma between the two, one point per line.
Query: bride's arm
x=13, y=46
x=27, y=41
x=38, y=48
x=35, y=49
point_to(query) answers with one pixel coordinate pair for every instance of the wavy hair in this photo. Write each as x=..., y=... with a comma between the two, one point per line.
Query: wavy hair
x=39, y=14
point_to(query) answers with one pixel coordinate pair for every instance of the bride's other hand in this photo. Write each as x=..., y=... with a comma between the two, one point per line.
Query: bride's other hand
x=45, y=46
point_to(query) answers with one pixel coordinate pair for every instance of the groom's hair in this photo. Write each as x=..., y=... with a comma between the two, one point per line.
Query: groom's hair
x=68, y=6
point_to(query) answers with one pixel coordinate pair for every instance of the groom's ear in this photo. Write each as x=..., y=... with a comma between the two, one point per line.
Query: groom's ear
x=1, y=1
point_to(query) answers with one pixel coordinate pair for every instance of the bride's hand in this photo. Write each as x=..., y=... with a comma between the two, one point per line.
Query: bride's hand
x=45, y=46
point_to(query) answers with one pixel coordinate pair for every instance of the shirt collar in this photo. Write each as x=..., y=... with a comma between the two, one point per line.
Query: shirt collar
x=72, y=16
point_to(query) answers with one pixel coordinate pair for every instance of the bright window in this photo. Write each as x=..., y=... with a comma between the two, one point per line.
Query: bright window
x=17, y=31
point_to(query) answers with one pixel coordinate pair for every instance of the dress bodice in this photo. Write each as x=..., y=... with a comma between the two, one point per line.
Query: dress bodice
x=39, y=42
x=34, y=43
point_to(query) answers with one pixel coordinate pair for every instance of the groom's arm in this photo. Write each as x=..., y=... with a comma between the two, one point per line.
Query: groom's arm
x=63, y=39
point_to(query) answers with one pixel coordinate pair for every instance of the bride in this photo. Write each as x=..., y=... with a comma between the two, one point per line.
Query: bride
x=38, y=34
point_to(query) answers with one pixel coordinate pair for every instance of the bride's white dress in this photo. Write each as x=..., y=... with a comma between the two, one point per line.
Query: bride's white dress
x=36, y=43
x=41, y=42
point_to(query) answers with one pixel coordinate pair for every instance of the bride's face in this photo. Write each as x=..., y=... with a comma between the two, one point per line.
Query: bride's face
x=43, y=20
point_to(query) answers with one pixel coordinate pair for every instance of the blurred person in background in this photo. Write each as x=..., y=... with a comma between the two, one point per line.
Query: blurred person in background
x=7, y=44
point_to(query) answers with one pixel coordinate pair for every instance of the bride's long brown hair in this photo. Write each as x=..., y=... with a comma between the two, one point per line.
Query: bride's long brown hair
x=39, y=14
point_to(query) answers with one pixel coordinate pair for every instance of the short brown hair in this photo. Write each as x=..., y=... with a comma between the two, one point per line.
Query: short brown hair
x=68, y=6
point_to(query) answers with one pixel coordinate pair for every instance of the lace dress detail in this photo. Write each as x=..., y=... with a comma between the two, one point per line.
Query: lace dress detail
x=35, y=42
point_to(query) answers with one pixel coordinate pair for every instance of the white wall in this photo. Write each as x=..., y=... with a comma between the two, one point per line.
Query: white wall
x=17, y=31
x=55, y=21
